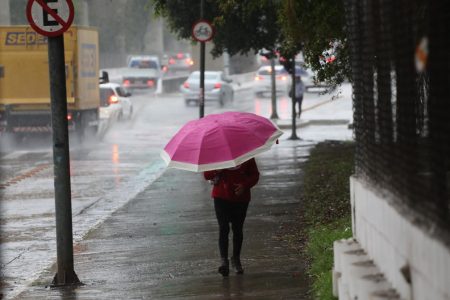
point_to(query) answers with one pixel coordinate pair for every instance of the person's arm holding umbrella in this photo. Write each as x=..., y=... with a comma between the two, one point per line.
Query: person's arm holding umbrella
x=250, y=180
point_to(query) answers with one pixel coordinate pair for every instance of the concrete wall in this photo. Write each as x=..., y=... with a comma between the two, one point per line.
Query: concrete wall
x=414, y=263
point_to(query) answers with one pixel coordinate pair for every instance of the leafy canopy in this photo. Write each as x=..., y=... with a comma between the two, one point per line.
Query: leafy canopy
x=289, y=26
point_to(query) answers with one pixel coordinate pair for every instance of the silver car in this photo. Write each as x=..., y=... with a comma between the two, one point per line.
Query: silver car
x=217, y=88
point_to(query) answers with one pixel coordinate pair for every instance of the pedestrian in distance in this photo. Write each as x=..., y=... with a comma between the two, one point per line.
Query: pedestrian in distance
x=299, y=91
x=231, y=194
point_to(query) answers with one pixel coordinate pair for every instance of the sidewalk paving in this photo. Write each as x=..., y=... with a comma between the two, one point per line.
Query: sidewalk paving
x=163, y=244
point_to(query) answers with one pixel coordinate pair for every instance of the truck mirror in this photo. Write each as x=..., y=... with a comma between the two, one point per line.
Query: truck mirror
x=104, y=78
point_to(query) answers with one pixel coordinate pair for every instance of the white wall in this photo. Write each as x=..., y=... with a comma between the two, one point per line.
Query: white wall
x=394, y=243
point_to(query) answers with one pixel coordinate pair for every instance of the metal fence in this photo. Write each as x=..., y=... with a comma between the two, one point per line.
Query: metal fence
x=400, y=69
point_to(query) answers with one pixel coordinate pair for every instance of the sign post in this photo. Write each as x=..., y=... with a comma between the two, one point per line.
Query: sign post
x=202, y=31
x=52, y=18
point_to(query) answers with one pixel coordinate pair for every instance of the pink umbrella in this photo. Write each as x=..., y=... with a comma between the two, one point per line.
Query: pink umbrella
x=220, y=141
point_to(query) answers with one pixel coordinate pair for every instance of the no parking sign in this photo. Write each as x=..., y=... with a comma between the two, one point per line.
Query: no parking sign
x=50, y=17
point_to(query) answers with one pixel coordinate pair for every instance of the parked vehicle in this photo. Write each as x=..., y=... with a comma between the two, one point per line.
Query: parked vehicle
x=217, y=88
x=263, y=81
x=24, y=80
x=109, y=92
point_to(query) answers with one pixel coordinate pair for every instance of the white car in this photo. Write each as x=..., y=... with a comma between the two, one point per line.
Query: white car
x=263, y=81
x=217, y=88
x=115, y=102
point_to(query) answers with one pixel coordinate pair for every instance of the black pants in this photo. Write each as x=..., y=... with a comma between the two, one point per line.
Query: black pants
x=299, y=100
x=229, y=212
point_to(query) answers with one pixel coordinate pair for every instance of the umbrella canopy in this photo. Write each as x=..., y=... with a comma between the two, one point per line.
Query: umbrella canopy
x=220, y=141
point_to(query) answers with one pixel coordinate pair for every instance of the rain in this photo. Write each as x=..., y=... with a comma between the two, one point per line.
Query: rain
x=117, y=162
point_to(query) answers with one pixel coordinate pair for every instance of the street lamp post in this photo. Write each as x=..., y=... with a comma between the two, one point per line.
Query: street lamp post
x=202, y=67
x=274, y=115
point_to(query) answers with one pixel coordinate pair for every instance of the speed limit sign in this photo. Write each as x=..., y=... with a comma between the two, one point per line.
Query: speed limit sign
x=202, y=31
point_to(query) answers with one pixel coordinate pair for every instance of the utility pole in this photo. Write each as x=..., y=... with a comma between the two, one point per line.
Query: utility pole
x=274, y=115
x=63, y=206
x=202, y=67
x=53, y=22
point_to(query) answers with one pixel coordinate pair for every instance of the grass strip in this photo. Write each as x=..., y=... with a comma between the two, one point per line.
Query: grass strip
x=327, y=209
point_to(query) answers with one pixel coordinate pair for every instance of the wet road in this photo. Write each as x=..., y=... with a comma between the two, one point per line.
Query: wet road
x=105, y=175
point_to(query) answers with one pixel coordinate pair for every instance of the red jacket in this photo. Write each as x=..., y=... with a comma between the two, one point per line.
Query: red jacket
x=246, y=174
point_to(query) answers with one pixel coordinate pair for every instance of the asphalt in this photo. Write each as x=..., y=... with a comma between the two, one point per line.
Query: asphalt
x=163, y=243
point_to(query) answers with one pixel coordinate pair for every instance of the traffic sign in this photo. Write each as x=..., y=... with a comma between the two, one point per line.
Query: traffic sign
x=202, y=31
x=50, y=17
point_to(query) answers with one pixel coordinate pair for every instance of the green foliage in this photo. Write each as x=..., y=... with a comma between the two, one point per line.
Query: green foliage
x=326, y=187
x=320, y=250
x=311, y=26
x=241, y=26
x=326, y=209
x=290, y=26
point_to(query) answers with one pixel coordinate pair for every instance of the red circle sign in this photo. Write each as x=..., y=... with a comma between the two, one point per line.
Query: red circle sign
x=50, y=17
x=202, y=31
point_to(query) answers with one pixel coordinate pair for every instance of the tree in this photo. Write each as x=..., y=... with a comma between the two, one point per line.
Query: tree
x=289, y=26
x=241, y=26
x=318, y=29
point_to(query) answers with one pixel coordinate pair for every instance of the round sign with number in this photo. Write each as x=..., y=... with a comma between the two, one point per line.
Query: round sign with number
x=202, y=31
x=50, y=17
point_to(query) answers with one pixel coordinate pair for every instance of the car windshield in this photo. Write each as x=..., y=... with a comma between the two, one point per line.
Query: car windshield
x=121, y=92
x=143, y=64
x=105, y=93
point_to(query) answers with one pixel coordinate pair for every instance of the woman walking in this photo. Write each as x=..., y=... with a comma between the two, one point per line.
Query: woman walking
x=231, y=193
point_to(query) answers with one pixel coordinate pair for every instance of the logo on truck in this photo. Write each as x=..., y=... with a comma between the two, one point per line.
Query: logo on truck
x=24, y=39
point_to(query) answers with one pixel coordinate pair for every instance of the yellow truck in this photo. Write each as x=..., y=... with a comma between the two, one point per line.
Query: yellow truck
x=25, y=86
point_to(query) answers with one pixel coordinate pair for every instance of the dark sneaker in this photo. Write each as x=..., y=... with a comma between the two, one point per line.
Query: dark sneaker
x=224, y=268
x=237, y=266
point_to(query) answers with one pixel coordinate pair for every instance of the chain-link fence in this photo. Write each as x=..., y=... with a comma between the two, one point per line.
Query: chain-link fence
x=400, y=69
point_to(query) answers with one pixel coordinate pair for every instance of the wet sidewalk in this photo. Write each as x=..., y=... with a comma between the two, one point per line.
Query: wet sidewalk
x=163, y=243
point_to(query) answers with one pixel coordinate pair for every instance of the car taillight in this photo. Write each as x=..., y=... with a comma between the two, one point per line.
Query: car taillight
x=180, y=55
x=126, y=82
x=257, y=78
x=217, y=85
x=189, y=61
x=150, y=83
x=113, y=99
x=171, y=61
x=186, y=84
x=69, y=116
x=164, y=68
x=282, y=77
